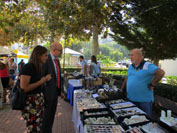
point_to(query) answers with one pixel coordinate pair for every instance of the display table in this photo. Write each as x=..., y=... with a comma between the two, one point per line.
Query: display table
x=73, y=84
x=76, y=114
x=81, y=95
x=123, y=116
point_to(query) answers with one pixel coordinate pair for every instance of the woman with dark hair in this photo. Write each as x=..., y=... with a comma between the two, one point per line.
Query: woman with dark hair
x=95, y=69
x=4, y=75
x=31, y=82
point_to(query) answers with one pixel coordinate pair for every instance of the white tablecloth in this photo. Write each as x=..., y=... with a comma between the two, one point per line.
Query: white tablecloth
x=75, y=82
x=78, y=125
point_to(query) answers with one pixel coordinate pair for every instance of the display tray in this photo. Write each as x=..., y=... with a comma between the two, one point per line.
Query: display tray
x=111, y=96
x=88, y=103
x=103, y=129
x=153, y=128
x=122, y=105
x=135, y=120
x=114, y=101
x=133, y=130
x=95, y=112
x=122, y=113
x=169, y=121
x=168, y=126
x=104, y=119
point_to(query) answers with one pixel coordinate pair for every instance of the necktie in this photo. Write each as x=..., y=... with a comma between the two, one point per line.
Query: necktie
x=58, y=72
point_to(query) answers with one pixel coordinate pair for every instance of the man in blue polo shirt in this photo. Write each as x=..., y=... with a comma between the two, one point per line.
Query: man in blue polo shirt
x=141, y=79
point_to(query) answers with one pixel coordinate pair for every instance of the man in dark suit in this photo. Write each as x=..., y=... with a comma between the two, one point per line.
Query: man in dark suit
x=52, y=89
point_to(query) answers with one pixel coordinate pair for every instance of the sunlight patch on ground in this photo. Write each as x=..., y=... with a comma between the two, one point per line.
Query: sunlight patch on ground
x=59, y=114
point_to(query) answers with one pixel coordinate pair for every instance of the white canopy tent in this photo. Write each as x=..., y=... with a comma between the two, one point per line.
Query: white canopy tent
x=72, y=59
x=72, y=52
x=4, y=51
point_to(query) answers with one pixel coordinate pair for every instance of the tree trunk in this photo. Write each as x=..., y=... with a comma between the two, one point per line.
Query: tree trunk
x=95, y=40
x=52, y=37
x=156, y=61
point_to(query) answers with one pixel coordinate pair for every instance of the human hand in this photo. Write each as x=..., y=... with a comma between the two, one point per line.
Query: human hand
x=48, y=77
x=151, y=87
x=43, y=80
x=62, y=95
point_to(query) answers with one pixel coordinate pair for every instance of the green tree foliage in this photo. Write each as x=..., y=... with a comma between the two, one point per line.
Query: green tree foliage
x=82, y=18
x=105, y=60
x=21, y=21
x=148, y=24
x=63, y=18
x=105, y=49
x=116, y=55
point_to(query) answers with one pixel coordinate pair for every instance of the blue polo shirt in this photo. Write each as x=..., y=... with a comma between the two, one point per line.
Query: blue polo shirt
x=138, y=81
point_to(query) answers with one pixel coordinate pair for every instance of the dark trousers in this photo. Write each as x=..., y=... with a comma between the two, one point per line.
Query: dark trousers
x=49, y=115
x=145, y=106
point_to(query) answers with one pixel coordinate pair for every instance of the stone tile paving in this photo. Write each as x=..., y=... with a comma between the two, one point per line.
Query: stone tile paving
x=12, y=122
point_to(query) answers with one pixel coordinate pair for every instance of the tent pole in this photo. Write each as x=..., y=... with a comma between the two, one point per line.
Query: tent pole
x=64, y=55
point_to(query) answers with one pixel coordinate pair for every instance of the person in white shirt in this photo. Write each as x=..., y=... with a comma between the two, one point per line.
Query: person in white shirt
x=13, y=68
x=95, y=69
x=83, y=65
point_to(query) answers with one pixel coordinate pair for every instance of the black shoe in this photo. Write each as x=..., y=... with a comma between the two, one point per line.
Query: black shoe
x=66, y=100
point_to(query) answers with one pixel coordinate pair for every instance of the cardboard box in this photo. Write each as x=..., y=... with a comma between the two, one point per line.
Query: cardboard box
x=98, y=81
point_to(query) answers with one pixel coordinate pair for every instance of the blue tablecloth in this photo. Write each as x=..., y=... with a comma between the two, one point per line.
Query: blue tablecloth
x=73, y=84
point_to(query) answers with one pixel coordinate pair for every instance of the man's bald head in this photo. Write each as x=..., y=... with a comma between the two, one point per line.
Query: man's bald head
x=56, y=49
x=136, y=56
x=138, y=51
x=55, y=45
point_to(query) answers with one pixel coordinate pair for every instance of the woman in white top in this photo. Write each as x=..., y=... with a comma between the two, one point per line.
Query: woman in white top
x=95, y=69
x=12, y=68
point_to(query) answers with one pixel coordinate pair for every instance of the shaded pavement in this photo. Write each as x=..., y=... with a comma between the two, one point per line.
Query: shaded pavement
x=12, y=122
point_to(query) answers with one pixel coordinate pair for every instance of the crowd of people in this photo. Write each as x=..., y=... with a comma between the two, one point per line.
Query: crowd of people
x=93, y=69
x=41, y=80
x=8, y=73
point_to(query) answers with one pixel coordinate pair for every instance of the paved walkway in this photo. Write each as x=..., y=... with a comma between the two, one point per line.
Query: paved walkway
x=12, y=122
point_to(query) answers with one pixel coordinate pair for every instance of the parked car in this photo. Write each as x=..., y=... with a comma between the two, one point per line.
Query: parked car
x=120, y=65
x=164, y=80
x=117, y=65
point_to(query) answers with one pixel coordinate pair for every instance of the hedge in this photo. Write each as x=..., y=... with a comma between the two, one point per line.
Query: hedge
x=163, y=90
x=166, y=91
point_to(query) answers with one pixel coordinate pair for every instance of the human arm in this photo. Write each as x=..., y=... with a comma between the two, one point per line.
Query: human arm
x=85, y=69
x=158, y=75
x=27, y=86
x=123, y=87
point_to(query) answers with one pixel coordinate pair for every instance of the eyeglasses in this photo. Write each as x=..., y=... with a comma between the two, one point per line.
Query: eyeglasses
x=59, y=50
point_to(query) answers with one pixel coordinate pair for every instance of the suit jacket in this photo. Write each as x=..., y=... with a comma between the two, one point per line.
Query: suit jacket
x=51, y=90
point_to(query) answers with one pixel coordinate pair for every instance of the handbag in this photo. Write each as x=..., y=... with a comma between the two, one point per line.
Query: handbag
x=17, y=97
